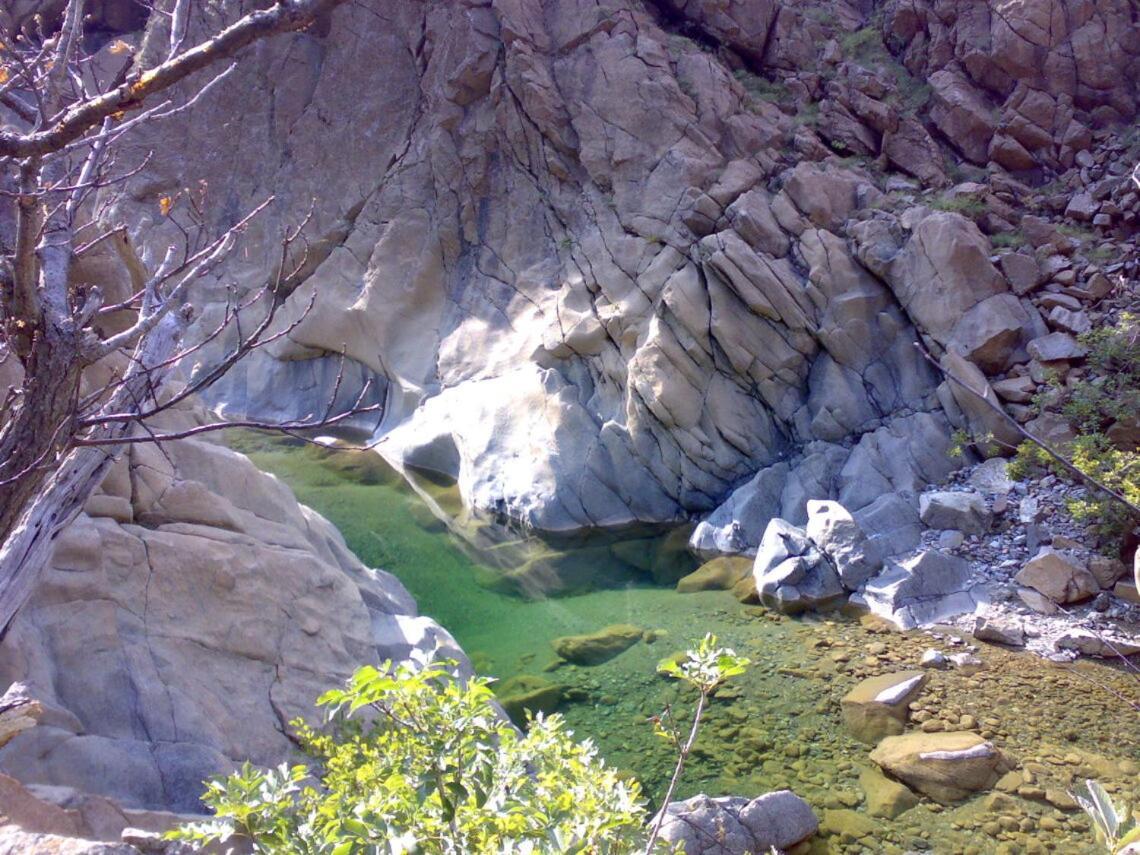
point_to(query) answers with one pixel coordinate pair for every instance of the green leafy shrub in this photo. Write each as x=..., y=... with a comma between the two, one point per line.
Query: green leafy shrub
x=1008, y=240
x=1110, y=392
x=417, y=762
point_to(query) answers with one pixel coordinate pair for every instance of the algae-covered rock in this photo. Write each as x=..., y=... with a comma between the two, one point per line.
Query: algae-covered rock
x=529, y=693
x=720, y=574
x=848, y=825
x=877, y=707
x=885, y=798
x=945, y=766
x=597, y=647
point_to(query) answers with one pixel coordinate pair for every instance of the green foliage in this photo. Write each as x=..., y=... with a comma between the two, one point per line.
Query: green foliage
x=761, y=88
x=1008, y=240
x=1110, y=392
x=706, y=667
x=865, y=45
x=1117, y=827
x=964, y=203
x=417, y=762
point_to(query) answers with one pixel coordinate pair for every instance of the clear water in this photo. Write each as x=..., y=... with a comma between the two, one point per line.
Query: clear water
x=779, y=725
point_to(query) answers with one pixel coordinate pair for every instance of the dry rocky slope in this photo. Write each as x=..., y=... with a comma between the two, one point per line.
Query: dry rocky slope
x=608, y=261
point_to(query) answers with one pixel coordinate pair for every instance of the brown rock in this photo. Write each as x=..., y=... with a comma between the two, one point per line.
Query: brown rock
x=947, y=767
x=1059, y=576
x=877, y=706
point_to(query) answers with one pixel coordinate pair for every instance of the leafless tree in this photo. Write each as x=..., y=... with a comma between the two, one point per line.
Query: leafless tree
x=60, y=133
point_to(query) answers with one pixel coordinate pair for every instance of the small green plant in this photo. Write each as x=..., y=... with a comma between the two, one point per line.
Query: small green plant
x=1008, y=240
x=704, y=669
x=761, y=88
x=1117, y=828
x=419, y=762
x=964, y=203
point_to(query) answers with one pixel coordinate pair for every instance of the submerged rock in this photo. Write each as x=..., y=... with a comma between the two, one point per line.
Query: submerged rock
x=527, y=693
x=948, y=767
x=885, y=798
x=597, y=647
x=877, y=706
x=733, y=825
x=720, y=574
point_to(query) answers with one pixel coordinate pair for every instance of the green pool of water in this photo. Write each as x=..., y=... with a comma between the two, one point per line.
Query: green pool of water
x=777, y=726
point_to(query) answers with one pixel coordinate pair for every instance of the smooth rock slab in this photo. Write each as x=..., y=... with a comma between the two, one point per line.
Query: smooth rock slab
x=733, y=825
x=877, y=706
x=720, y=574
x=945, y=766
x=926, y=588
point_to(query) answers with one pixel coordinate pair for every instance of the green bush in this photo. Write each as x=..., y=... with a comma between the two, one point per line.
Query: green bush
x=417, y=762
x=1111, y=391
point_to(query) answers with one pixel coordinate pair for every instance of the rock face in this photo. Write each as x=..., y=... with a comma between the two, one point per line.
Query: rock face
x=732, y=825
x=565, y=228
x=185, y=619
x=945, y=766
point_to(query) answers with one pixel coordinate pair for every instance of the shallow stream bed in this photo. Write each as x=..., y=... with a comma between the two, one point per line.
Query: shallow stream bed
x=777, y=726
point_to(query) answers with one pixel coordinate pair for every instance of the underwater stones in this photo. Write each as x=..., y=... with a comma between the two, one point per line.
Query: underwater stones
x=877, y=706
x=886, y=799
x=922, y=589
x=733, y=825
x=964, y=512
x=848, y=825
x=855, y=557
x=597, y=647
x=720, y=574
x=945, y=766
x=1060, y=577
x=791, y=573
x=527, y=693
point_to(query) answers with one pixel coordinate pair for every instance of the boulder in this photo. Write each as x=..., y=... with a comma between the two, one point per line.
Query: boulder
x=964, y=512
x=855, y=556
x=948, y=767
x=962, y=114
x=1008, y=632
x=1022, y=272
x=1054, y=347
x=720, y=574
x=885, y=799
x=923, y=589
x=1058, y=575
x=990, y=333
x=891, y=524
x=791, y=574
x=733, y=825
x=877, y=706
x=1102, y=645
x=597, y=647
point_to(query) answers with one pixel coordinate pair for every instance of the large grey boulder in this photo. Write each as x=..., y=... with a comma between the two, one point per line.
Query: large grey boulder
x=854, y=555
x=733, y=825
x=926, y=588
x=960, y=511
x=791, y=573
x=891, y=523
x=180, y=626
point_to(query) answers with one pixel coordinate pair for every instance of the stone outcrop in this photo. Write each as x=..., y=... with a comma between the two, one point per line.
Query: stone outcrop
x=186, y=618
x=923, y=589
